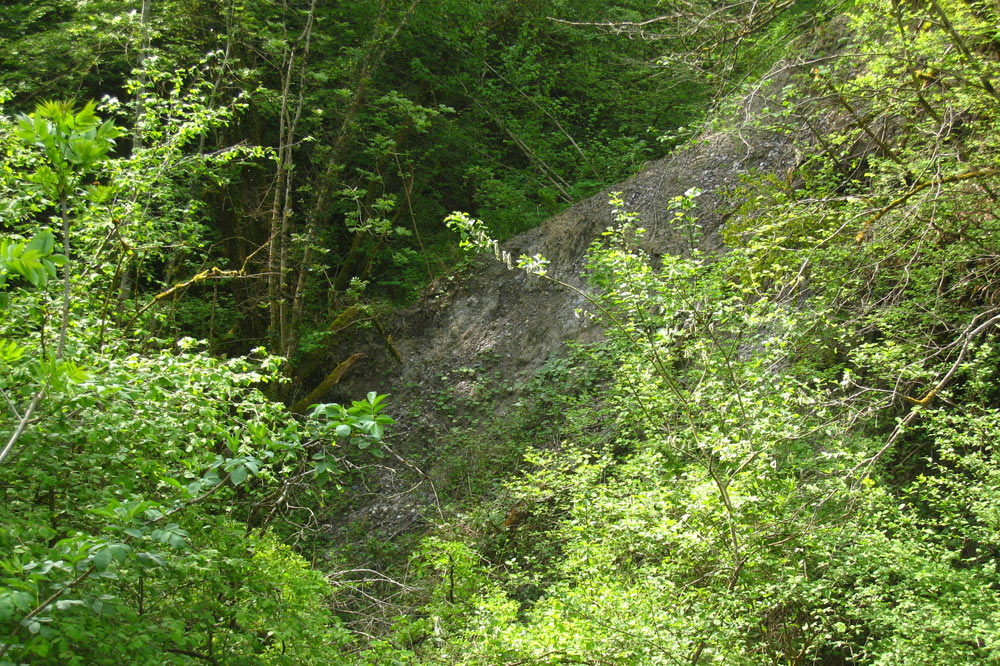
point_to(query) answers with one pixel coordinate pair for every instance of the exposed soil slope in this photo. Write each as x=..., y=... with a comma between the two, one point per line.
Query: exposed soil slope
x=488, y=317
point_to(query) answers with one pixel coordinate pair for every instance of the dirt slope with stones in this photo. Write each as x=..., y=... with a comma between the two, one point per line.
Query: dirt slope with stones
x=497, y=320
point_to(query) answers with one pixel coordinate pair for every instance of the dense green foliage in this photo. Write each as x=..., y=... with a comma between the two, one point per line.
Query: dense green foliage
x=374, y=118
x=788, y=459
x=146, y=484
x=782, y=452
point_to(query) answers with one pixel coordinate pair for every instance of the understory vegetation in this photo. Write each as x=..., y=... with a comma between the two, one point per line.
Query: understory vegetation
x=781, y=452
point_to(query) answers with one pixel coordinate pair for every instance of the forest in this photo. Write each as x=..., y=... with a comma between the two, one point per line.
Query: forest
x=500, y=333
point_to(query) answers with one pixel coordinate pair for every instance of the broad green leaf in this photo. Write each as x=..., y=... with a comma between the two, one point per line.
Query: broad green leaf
x=238, y=475
x=102, y=559
x=43, y=242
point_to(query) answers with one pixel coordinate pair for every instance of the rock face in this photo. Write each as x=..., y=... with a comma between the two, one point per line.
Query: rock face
x=498, y=320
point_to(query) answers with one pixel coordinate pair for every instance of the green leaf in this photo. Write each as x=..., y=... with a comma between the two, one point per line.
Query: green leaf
x=119, y=551
x=43, y=242
x=151, y=559
x=6, y=608
x=239, y=475
x=102, y=560
x=332, y=410
x=10, y=352
x=321, y=468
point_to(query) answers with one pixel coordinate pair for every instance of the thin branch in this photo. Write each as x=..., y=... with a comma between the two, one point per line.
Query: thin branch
x=213, y=272
x=45, y=604
x=966, y=338
x=968, y=175
x=13, y=407
x=21, y=425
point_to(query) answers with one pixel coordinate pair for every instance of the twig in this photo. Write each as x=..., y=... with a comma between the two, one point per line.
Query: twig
x=21, y=425
x=942, y=383
x=968, y=175
x=13, y=407
x=213, y=272
x=45, y=604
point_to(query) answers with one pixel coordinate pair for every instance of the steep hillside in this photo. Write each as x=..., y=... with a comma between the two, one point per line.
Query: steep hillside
x=488, y=317
x=747, y=415
x=780, y=448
